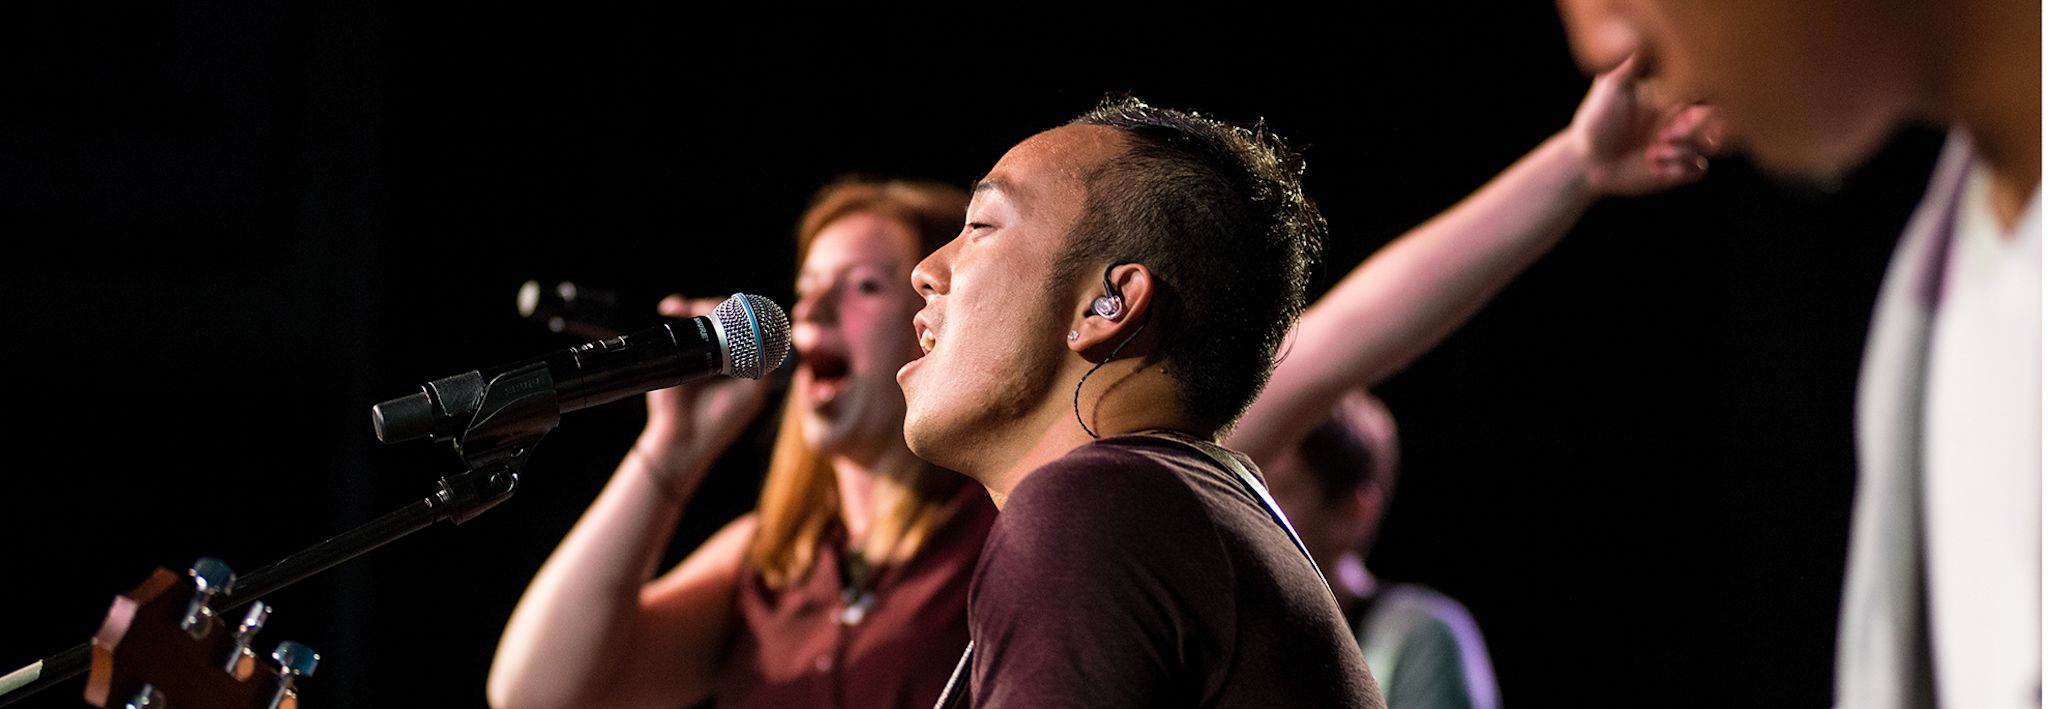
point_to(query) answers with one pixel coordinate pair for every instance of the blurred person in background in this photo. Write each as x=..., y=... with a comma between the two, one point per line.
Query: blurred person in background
x=1336, y=485
x=1942, y=604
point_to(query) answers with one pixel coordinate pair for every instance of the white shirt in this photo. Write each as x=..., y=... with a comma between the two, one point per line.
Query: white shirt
x=1982, y=481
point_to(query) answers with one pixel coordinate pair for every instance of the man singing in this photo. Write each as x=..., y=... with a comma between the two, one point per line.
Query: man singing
x=1113, y=303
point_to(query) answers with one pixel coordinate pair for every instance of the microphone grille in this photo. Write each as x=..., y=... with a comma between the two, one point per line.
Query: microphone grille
x=757, y=334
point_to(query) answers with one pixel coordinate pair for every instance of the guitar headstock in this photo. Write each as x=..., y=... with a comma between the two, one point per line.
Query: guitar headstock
x=162, y=645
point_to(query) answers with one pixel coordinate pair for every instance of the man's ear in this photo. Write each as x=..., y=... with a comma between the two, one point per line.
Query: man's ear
x=1106, y=320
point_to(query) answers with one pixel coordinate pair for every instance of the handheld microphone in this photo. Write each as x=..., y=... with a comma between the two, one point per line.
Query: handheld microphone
x=745, y=336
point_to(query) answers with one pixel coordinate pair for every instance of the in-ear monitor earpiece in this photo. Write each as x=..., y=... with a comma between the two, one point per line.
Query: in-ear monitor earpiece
x=1111, y=304
x=1108, y=306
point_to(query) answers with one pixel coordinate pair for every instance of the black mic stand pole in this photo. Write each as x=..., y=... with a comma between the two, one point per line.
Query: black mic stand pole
x=518, y=409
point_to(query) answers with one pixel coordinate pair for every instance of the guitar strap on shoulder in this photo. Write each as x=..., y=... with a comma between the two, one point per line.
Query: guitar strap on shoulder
x=1258, y=492
x=954, y=696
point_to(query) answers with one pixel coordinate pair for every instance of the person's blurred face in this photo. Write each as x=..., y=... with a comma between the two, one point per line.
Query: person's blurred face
x=1806, y=87
x=992, y=330
x=1329, y=525
x=852, y=331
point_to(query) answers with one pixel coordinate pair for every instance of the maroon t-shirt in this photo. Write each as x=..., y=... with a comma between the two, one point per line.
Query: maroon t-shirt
x=1135, y=572
x=800, y=647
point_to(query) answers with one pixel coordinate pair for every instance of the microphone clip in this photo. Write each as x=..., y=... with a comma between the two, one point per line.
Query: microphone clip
x=515, y=409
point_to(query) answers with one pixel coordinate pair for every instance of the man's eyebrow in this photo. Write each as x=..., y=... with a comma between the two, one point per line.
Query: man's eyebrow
x=1002, y=191
x=989, y=184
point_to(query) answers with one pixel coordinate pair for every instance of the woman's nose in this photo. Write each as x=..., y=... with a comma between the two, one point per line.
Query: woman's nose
x=816, y=306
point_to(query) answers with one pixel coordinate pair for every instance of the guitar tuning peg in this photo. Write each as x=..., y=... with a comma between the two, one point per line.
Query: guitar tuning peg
x=240, y=661
x=210, y=578
x=148, y=697
x=294, y=660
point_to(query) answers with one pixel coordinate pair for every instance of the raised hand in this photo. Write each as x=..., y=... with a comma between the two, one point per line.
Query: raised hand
x=688, y=426
x=1632, y=143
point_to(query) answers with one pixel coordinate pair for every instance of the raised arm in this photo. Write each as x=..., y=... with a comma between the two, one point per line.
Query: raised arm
x=592, y=630
x=1418, y=289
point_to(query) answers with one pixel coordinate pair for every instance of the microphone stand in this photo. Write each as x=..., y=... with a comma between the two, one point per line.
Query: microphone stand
x=518, y=408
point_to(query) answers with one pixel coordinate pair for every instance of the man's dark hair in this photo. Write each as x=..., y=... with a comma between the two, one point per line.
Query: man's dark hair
x=1216, y=212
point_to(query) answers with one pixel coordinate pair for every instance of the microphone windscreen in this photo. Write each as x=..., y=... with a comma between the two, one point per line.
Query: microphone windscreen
x=757, y=333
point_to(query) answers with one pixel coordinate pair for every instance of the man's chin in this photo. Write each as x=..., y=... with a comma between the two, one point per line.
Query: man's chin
x=917, y=435
x=1818, y=163
x=927, y=442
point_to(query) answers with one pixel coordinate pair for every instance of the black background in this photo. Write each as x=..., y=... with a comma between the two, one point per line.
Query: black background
x=235, y=226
